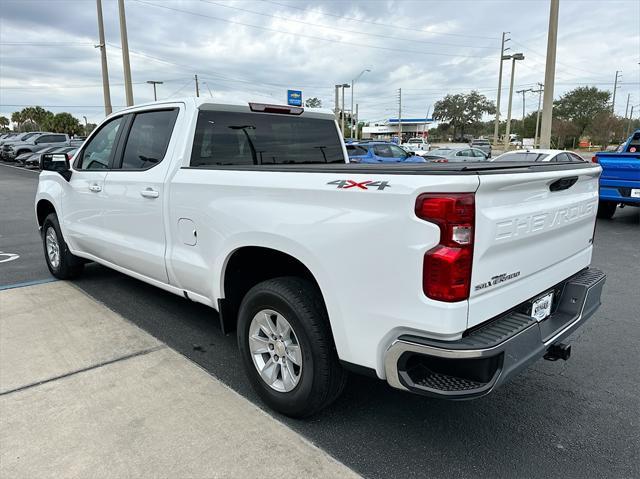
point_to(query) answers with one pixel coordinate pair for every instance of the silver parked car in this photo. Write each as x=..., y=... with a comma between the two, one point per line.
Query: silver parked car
x=449, y=154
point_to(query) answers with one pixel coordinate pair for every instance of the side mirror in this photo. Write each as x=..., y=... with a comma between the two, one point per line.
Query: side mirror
x=58, y=162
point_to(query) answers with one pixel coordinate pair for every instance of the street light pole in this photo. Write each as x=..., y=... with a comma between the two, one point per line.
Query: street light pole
x=353, y=82
x=154, y=83
x=549, y=76
x=503, y=57
x=336, y=110
x=103, y=58
x=128, y=88
x=515, y=57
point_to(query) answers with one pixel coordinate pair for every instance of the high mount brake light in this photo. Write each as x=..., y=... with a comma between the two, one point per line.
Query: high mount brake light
x=282, y=109
x=446, y=274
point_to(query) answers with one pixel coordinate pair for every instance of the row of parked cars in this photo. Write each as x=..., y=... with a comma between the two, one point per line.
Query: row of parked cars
x=26, y=148
x=417, y=150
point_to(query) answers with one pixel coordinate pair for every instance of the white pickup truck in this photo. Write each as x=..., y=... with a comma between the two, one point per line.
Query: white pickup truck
x=442, y=279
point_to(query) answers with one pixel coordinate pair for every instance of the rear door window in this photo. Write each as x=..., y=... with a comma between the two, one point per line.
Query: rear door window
x=238, y=138
x=148, y=139
x=355, y=150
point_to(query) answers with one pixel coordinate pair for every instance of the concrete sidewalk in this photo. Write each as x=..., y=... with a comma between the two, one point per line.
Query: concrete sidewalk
x=84, y=393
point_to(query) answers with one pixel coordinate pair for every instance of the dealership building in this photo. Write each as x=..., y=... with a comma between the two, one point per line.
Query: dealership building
x=390, y=128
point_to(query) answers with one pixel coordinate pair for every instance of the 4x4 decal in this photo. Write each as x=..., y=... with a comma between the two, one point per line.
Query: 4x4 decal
x=362, y=185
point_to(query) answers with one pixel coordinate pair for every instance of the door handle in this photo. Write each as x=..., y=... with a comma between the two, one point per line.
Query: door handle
x=96, y=188
x=149, y=193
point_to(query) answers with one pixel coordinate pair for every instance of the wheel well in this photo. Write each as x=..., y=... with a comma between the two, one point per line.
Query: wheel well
x=44, y=209
x=20, y=152
x=249, y=266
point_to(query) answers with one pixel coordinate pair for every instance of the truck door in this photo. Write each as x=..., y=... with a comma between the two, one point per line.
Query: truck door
x=135, y=193
x=83, y=201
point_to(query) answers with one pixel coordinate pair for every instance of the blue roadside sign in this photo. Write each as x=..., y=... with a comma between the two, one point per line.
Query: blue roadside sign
x=294, y=97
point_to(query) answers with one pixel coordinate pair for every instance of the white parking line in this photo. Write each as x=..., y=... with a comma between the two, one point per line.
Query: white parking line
x=20, y=168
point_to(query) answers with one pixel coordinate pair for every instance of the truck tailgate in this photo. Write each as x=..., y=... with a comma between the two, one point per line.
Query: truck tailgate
x=532, y=231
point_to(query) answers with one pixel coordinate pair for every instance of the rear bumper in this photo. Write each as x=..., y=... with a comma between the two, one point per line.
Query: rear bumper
x=488, y=356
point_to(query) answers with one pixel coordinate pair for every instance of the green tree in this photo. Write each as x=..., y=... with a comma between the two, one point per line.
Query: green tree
x=37, y=115
x=462, y=110
x=89, y=128
x=606, y=128
x=4, y=123
x=66, y=123
x=313, y=103
x=581, y=105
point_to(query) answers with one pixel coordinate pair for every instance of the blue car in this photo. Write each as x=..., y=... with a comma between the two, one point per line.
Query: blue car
x=380, y=152
x=620, y=180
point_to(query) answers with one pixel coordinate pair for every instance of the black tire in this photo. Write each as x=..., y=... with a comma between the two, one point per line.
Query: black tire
x=606, y=209
x=322, y=378
x=69, y=266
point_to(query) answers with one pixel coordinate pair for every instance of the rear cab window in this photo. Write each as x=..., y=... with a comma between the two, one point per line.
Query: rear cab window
x=239, y=138
x=148, y=139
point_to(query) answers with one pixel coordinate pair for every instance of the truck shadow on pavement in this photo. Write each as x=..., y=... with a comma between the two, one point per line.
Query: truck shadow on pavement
x=545, y=419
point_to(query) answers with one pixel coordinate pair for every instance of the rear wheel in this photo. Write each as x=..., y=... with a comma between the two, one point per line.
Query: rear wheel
x=61, y=262
x=287, y=347
x=606, y=209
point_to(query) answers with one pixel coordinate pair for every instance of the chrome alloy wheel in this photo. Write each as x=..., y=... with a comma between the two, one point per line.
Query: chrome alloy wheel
x=53, y=247
x=275, y=350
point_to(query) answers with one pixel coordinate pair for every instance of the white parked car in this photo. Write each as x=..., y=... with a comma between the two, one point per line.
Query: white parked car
x=419, y=146
x=539, y=155
x=442, y=279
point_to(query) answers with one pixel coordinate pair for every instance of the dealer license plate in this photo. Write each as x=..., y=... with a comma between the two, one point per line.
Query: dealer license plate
x=541, y=307
x=635, y=193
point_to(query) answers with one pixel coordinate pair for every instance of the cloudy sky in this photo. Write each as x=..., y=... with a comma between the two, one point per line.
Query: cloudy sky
x=255, y=49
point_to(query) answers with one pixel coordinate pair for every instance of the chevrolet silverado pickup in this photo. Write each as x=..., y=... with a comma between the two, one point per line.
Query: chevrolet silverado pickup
x=442, y=279
x=620, y=180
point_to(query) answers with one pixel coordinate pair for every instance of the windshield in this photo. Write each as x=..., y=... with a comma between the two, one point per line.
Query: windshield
x=479, y=142
x=529, y=156
x=415, y=140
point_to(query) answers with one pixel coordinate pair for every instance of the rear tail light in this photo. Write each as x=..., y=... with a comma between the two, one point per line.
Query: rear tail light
x=594, y=159
x=446, y=272
x=440, y=160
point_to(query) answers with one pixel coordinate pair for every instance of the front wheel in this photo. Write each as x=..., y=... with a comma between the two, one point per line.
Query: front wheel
x=606, y=209
x=62, y=264
x=287, y=347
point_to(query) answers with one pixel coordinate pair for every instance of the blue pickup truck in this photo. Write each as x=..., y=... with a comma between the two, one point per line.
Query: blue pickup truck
x=620, y=180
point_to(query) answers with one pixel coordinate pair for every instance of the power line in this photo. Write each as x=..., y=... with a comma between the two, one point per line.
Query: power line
x=312, y=37
x=359, y=20
x=334, y=28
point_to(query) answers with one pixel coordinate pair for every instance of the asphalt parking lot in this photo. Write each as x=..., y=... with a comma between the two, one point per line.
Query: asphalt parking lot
x=573, y=419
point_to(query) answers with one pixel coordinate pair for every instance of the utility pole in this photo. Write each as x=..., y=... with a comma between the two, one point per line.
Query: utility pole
x=615, y=88
x=549, y=75
x=515, y=57
x=630, y=121
x=353, y=82
x=209, y=89
x=336, y=110
x=343, y=86
x=503, y=57
x=103, y=58
x=399, y=116
x=536, y=141
x=154, y=83
x=197, y=86
x=523, y=102
x=626, y=109
x=128, y=88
